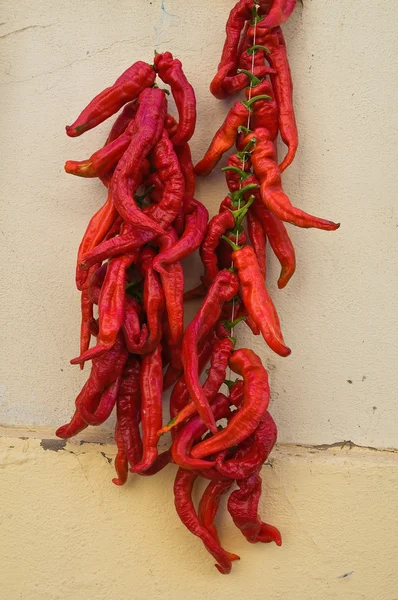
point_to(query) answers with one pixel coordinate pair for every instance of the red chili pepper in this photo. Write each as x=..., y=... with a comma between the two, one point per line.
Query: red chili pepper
x=126, y=87
x=280, y=241
x=131, y=324
x=101, y=161
x=96, y=230
x=165, y=161
x=240, y=13
x=121, y=464
x=87, y=317
x=257, y=300
x=151, y=407
x=128, y=410
x=192, y=431
x=265, y=112
x=104, y=371
x=268, y=173
x=185, y=159
x=180, y=395
x=130, y=239
x=170, y=71
x=105, y=406
x=196, y=217
x=110, y=307
x=123, y=121
x=243, y=507
x=217, y=226
x=209, y=504
x=183, y=487
x=221, y=353
x=279, y=13
x=154, y=303
x=224, y=287
x=146, y=131
x=247, y=364
x=258, y=240
x=253, y=457
x=163, y=459
x=172, y=278
x=223, y=139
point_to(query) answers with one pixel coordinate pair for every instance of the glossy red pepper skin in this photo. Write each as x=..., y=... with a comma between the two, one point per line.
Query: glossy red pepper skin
x=104, y=371
x=96, y=231
x=254, y=456
x=151, y=407
x=257, y=300
x=146, y=131
x=170, y=71
x=101, y=161
x=209, y=504
x=180, y=395
x=121, y=463
x=185, y=159
x=268, y=174
x=243, y=508
x=172, y=278
x=131, y=324
x=279, y=12
x=126, y=87
x=196, y=216
x=191, y=432
x=223, y=289
x=258, y=240
x=87, y=317
x=217, y=227
x=247, y=364
x=237, y=18
x=105, y=406
x=128, y=410
x=165, y=161
x=183, y=487
x=224, y=138
x=279, y=240
x=221, y=353
x=110, y=307
x=265, y=112
x=123, y=121
x=130, y=239
x=154, y=304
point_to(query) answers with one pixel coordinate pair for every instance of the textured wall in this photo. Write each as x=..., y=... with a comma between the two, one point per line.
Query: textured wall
x=69, y=534
x=338, y=313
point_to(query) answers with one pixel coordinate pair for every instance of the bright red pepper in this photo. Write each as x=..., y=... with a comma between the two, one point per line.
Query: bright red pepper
x=243, y=422
x=170, y=71
x=183, y=487
x=151, y=407
x=126, y=87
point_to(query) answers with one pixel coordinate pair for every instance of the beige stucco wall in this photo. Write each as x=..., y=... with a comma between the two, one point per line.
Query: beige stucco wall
x=65, y=530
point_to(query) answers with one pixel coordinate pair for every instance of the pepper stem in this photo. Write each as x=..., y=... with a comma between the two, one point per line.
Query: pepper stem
x=231, y=324
x=141, y=197
x=238, y=195
x=249, y=103
x=229, y=383
x=253, y=49
x=246, y=150
x=241, y=213
x=241, y=173
x=243, y=129
x=234, y=246
x=252, y=77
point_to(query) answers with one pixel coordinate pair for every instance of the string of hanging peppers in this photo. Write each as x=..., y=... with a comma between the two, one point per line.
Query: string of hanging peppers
x=131, y=280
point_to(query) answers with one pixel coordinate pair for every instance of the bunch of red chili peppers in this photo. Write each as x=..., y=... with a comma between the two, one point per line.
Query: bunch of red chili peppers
x=129, y=265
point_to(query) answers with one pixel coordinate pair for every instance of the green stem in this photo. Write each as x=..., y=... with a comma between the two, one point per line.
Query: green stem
x=140, y=198
x=245, y=153
x=241, y=173
x=238, y=195
x=252, y=77
x=231, y=243
x=253, y=49
x=241, y=213
x=243, y=129
x=231, y=324
x=249, y=103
